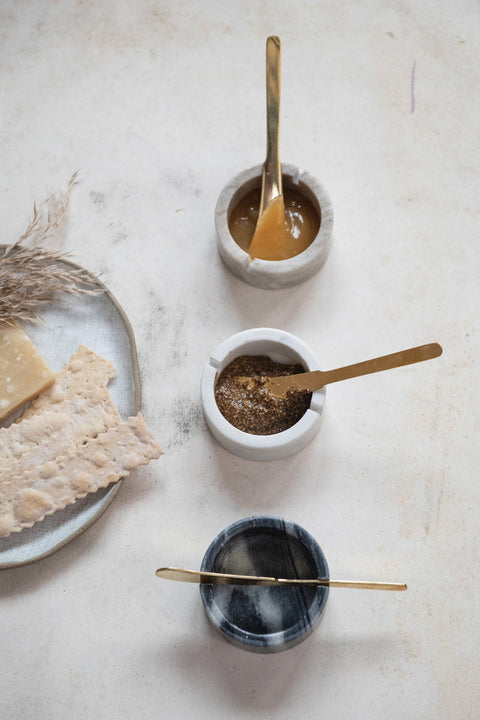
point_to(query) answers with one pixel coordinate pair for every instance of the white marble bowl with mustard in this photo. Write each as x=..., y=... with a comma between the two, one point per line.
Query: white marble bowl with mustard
x=274, y=274
x=281, y=347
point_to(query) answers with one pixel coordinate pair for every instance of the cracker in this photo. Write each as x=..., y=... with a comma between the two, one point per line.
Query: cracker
x=77, y=406
x=103, y=460
x=85, y=371
x=71, y=441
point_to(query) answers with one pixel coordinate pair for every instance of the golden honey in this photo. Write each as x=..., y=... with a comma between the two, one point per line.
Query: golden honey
x=286, y=228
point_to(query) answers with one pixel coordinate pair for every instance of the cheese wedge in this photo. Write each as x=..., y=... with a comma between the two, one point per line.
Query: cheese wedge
x=23, y=371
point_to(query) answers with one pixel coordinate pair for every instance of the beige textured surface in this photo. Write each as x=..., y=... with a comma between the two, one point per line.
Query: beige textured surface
x=159, y=104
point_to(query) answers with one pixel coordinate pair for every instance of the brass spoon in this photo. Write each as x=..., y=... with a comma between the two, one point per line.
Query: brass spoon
x=272, y=169
x=270, y=240
x=205, y=578
x=310, y=381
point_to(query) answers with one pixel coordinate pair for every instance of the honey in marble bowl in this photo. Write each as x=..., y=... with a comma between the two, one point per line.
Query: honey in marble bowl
x=258, y=618
x=308, y=222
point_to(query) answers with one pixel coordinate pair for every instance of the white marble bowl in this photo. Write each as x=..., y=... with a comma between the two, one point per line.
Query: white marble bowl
x=280, y=346
x=274, y=274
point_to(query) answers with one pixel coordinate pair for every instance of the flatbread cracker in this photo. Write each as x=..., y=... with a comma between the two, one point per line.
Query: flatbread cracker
x=77, y=405
x=95, y=464
x=68, y=443
x=84, y=371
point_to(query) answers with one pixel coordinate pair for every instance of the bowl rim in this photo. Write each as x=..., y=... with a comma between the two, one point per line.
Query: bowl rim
x=281, y=639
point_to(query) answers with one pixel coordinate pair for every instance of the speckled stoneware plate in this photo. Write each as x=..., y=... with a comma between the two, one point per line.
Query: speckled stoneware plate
x=99, y=322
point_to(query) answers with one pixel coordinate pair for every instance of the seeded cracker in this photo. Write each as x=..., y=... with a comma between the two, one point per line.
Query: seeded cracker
x=76, y=407
x=99, y=462
x=70, y=442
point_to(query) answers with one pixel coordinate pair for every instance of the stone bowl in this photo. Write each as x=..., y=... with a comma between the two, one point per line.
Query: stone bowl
x=269, y=274
x=283, y=347
x=258, y=618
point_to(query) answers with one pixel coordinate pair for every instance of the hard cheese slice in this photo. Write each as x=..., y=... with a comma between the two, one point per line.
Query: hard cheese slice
x=23, y=371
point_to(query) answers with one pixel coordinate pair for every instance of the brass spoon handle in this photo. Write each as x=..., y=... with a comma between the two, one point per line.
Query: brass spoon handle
x=194, y=576
x=314, y=380
x=272, y=170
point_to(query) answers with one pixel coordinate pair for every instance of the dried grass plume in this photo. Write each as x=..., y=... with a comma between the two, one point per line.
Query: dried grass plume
x=32, y=275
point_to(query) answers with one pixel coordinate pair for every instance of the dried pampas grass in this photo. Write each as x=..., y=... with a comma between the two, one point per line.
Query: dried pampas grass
x=32, y=276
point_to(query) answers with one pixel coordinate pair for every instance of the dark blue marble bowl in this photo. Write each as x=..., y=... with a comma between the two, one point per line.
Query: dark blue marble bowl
x=265, y=619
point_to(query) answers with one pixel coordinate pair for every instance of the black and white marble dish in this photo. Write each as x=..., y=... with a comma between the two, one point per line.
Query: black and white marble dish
x=258, y=618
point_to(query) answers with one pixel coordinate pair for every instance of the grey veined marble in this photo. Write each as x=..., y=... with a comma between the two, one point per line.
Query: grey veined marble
x=257, y=618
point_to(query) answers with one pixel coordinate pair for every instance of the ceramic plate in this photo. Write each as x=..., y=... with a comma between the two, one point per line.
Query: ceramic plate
x=99, y=322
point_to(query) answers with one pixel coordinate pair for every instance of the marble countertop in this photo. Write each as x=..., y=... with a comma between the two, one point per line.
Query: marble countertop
x=158, y=105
